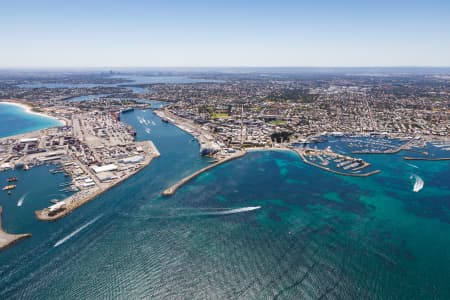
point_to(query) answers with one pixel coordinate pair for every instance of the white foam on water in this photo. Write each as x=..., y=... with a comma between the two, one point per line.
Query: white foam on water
x=72, y=234
x=418, y=183
x=203, y=212
x=411, y=165
x=236, y=210
x=230, y=211
x=21, y=199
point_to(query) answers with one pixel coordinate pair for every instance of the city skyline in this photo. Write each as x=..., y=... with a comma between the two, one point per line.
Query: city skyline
x=39, y=34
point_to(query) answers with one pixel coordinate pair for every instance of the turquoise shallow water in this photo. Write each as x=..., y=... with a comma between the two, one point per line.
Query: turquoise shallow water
x=315, y=235
x=15, y=120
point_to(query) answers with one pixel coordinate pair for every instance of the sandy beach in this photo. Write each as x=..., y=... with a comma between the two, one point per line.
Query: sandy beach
x=28, y=108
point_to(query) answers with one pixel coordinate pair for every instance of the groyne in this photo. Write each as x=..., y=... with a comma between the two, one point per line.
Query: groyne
x=426, y=158
x=7, y=239
x=171, y=190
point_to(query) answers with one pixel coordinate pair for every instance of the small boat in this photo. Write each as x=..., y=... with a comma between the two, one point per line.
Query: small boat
x=9, y=187
x=127, y=110
x=12, y=179
x=26, y=167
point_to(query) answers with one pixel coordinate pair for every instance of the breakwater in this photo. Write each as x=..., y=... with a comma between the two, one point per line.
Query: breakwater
x=171, y=190
x=7, y=239
x=426, y=158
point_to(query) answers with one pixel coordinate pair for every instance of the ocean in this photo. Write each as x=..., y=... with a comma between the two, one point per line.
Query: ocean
x=262, y=226
x=15, y=120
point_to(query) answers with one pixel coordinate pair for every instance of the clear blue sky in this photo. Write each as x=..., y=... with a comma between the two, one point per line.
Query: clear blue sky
x=134, y=33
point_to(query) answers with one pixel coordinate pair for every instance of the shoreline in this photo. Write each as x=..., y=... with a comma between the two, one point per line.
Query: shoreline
x=28, y=108
x=184, y=124
x=195, y=132
x=8, y=239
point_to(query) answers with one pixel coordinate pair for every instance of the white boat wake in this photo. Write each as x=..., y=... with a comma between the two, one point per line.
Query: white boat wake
x=231, y=211
x=199, y=212
x=418, y=183
x=72, y=234
x=411, y=165
x=21, y=199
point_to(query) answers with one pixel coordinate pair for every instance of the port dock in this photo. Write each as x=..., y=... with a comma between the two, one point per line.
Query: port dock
x=97, y=186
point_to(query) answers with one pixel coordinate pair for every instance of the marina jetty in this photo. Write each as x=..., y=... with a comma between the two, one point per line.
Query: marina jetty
x=335, y=163
x=170, y=191
x=7, y=239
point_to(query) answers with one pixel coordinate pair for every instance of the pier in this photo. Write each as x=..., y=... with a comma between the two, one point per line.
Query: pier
x=7, y=239
x=170, y=191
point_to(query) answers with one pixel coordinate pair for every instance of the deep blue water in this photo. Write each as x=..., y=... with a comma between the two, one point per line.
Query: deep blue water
x=15, y=120
x=316, y=235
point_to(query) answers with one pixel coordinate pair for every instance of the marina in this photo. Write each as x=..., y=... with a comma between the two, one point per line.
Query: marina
x=335, y=163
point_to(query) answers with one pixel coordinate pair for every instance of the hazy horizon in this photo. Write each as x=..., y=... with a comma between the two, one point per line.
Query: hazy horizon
x=394, y=70
x=173, y=33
